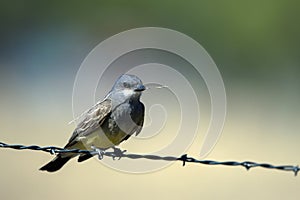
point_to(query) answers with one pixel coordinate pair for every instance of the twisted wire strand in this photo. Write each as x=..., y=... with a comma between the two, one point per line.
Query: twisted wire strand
x=184, y=158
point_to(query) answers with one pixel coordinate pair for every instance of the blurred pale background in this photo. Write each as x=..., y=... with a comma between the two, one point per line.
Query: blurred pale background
x=255, y=45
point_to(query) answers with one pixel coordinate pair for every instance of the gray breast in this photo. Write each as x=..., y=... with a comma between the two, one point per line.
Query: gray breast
x=121, y=120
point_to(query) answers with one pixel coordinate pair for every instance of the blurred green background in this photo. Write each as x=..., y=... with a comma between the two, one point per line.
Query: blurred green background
x=255, y=44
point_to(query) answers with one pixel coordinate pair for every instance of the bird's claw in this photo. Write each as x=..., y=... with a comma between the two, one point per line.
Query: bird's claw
x=99, y=152
x=118, y=153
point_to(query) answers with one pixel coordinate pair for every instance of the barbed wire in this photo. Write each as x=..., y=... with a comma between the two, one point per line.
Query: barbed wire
x=184, y=158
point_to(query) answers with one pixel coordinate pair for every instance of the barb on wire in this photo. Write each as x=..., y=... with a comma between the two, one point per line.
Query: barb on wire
x=184, y=158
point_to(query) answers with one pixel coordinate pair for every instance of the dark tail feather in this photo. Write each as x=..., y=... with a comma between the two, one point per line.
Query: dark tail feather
x=55, y=164
x=84, y=157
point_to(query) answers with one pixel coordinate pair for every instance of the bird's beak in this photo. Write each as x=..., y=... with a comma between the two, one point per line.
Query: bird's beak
x=140, y=88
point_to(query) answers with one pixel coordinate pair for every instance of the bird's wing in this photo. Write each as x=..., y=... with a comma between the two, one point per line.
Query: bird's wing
x=91, y=121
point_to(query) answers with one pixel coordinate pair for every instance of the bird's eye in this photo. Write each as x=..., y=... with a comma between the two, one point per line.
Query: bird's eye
x=126, y=85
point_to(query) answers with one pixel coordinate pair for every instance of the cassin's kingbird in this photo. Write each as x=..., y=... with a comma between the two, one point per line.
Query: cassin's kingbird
x=107, y=123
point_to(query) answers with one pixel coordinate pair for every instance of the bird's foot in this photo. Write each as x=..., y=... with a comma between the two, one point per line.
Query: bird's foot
x=99, y=152
x=118, y=153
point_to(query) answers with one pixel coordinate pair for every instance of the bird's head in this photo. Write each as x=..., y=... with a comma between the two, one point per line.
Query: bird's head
x=128, y=86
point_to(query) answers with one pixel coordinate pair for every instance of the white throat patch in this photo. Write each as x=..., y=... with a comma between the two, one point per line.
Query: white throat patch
x=128, y=92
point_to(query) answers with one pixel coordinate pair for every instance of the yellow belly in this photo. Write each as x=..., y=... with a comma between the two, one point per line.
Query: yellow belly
x=100, y=140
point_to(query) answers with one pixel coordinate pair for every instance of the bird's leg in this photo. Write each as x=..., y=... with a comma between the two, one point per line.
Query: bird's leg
x=118, y=153
x=99, y=152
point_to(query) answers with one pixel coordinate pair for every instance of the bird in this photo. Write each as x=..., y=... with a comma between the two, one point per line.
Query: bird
x=106, y=124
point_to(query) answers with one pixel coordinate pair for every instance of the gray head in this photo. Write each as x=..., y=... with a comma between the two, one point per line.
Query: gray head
x=127, y=87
